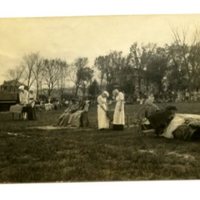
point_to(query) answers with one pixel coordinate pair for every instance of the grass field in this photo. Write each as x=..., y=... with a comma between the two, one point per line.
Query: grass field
x=31, y=155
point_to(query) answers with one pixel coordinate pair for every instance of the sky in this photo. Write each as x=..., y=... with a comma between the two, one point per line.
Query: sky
x=71, y=37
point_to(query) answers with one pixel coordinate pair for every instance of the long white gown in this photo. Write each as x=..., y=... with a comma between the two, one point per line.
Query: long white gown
x=178, y=120
x=119, y=115
x=103, y=121
x=23, y=97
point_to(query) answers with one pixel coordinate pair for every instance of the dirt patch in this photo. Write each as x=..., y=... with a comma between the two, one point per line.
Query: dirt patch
x=151, y=151
x=182, y=156
x=58, y=128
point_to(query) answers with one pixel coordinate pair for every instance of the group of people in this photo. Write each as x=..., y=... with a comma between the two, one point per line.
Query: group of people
x=104, y=114
x=27, y=99
x=76, y=114
x=165, y=122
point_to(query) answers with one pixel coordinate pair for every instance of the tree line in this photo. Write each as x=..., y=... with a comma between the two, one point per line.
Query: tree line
x=147, y=68
x=50, y=74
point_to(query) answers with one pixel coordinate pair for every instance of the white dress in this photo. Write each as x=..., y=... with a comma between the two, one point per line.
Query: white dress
x=119, y=115
x=178, y=120
x=23, y=97
x=31, y=99
x=103, y=121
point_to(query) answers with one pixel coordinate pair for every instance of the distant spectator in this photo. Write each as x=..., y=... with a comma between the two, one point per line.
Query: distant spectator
x=31, y=105
x=23, y=100
x=57, y=105
x=187, y=96
x=66, y=102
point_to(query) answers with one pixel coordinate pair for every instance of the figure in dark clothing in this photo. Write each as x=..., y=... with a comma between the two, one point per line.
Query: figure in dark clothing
x=161, y=119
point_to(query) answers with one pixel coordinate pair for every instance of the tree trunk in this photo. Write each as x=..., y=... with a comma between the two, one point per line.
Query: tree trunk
x=101, y=80
x=76, y=91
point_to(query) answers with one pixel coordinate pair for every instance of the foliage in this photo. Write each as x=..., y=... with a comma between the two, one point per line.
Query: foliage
x=147, y=68
x=53, y=70
x=93, y=89
x=84, y=75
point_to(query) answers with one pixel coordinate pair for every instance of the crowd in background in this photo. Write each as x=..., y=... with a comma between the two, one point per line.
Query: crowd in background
x=168, y=97
x=164, y=121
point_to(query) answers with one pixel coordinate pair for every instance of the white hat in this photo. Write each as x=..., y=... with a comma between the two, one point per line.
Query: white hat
x=115, y=91
x=21, y=87
x=31, y=89
x=106, y=93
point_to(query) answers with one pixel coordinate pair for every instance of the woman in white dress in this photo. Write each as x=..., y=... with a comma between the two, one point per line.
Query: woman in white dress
x=119, y=115
x=31, y=104
x=23, y=100
x=102, y=108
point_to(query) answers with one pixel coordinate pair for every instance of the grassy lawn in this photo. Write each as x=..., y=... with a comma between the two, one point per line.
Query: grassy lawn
x=31, y=155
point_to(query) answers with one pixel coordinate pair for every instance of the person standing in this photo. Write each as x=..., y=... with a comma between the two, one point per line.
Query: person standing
x=119, y=114
x=84, y=121
x=23, y=100
x=31, y=105
x=102, y=108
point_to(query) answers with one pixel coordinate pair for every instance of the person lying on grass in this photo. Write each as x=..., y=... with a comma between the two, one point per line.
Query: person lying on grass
x=184, y=127
x=161, y=119
x=169, y=124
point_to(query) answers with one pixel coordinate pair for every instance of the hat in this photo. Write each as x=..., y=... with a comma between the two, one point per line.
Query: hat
x=74, y=99
x=115, y=91
x=170, y=108
x=106, y=93
x=21, y=87
x=31, y=89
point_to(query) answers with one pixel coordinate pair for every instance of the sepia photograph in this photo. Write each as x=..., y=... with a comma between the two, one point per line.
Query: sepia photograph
x=100, y=98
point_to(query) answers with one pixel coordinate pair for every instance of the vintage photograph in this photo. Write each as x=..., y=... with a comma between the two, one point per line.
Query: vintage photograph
x=99, y=98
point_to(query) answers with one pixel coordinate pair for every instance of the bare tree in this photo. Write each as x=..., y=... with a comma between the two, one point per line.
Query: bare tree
x=110, y=67
x=139, y=58
x=50, y=74
x=185, y=55
x=81, y=73
x=15, y=74
x=31, y=64
x=62, y=74
x=101, y=63
x=37, y=72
